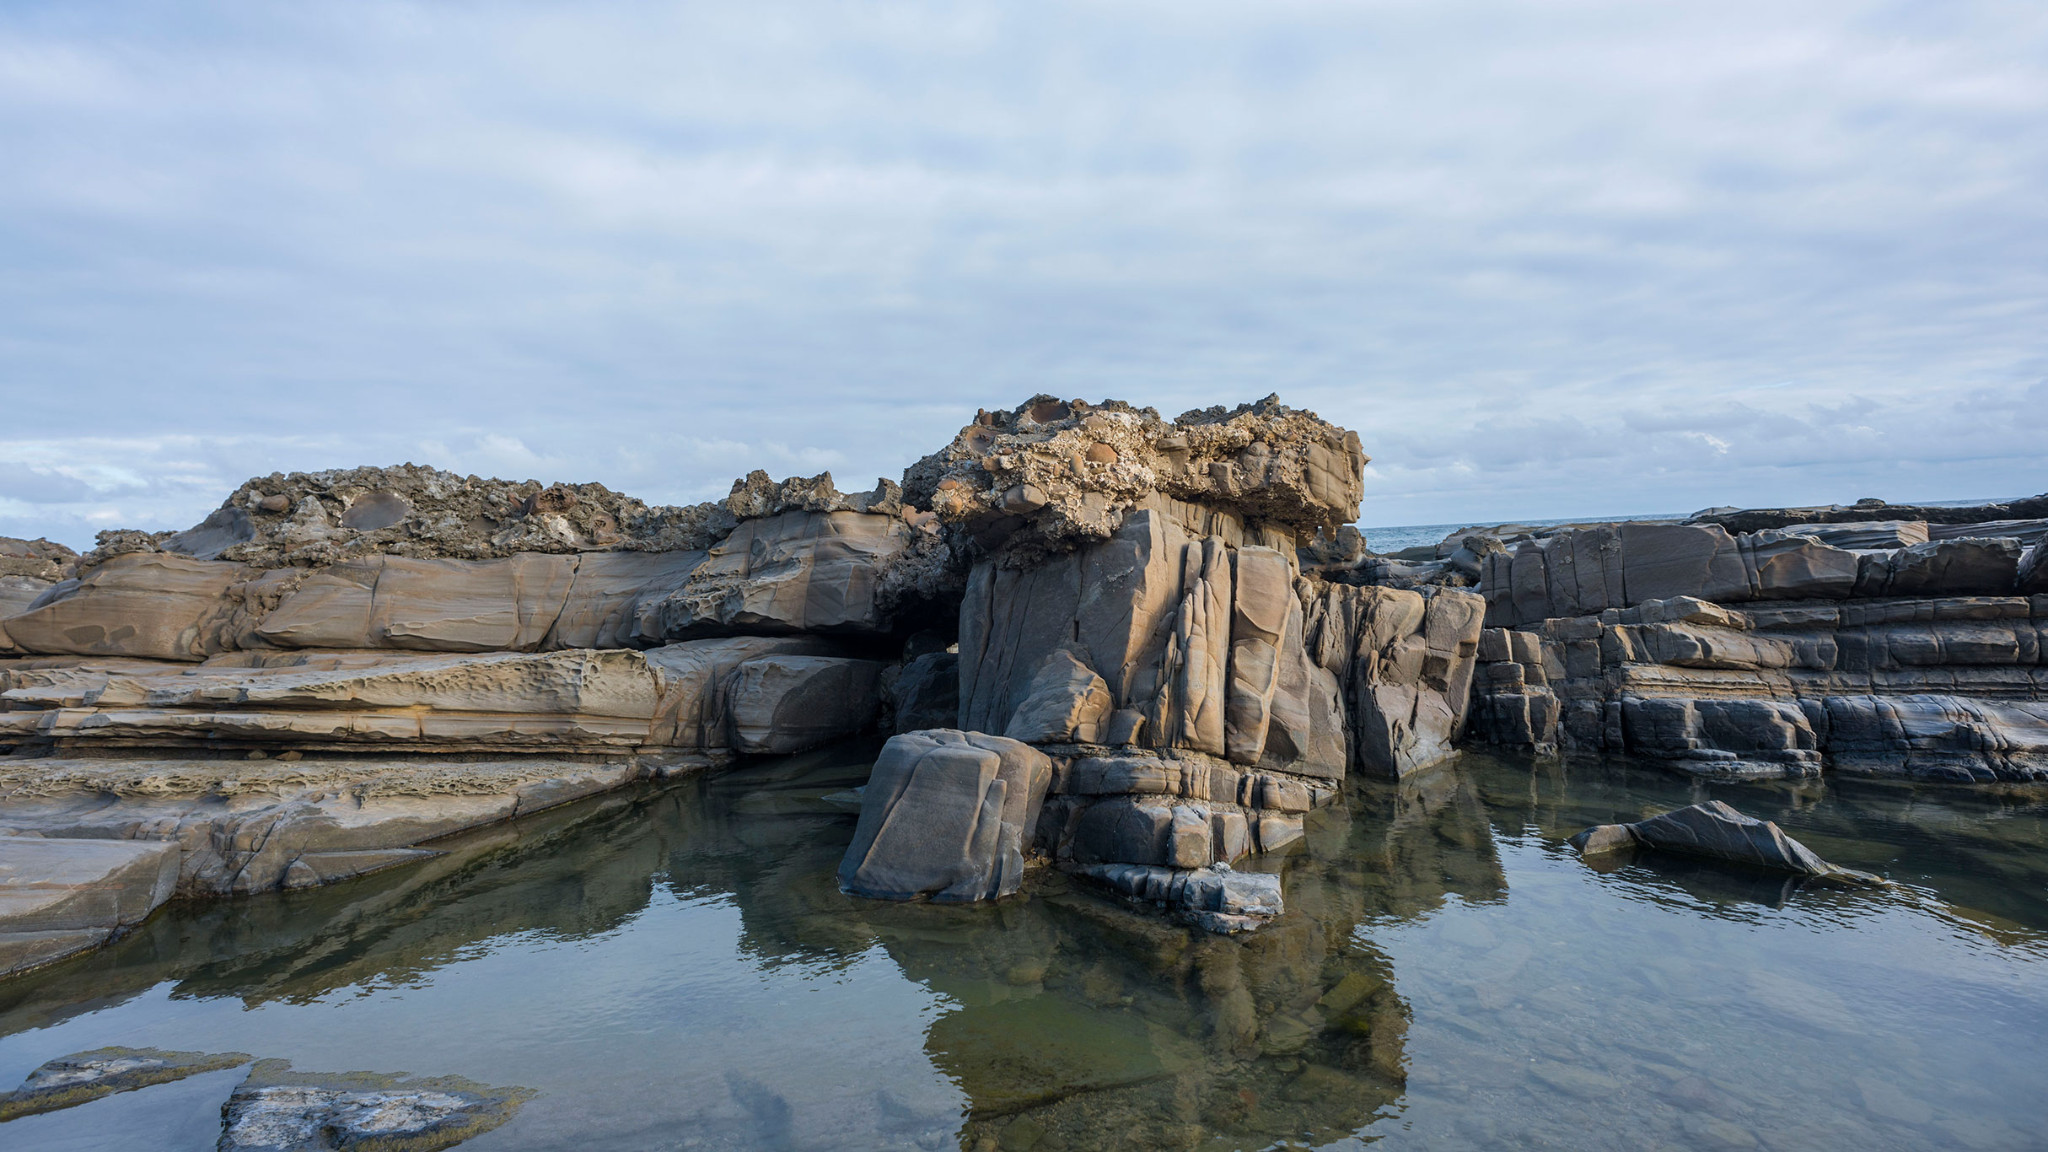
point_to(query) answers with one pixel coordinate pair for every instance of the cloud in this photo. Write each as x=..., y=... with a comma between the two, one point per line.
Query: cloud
x=1545, y=259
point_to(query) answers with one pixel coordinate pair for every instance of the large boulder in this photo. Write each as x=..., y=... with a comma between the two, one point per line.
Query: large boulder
x=947, y=815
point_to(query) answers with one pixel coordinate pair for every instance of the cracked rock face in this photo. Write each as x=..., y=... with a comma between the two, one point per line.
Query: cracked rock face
x=1051, y=473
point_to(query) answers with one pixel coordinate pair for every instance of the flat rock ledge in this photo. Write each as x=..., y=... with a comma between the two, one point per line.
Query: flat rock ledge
x=1717, y=831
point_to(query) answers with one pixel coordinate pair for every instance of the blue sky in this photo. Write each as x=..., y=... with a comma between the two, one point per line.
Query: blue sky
x=1588, y=257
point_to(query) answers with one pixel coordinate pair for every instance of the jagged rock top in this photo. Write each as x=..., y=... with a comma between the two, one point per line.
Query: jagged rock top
x=38, y=559
x=1052, y=473
x=316, y=518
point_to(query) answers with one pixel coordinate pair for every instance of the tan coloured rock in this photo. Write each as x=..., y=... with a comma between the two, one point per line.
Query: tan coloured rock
x=794, y=572
x=681, y=696
x=1050, y=473
x=146, y=605
x=427, y=605
x=248, y=826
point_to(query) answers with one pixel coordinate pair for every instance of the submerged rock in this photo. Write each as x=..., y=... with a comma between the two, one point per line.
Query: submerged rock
x=278, y=1110
x=1719, y=832
x=87, y=1076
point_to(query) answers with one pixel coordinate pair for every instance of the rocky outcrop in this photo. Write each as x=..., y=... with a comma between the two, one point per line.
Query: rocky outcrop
x=1128, y=595
x=1942, y=689
x=1970, y=519
x=1053, y=473
x=234, y=826
x=1587, y=572
x=1136, y=607
x=1898, y=647
x=1716, y=831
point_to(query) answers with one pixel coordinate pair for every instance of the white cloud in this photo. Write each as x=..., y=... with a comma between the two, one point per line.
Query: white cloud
x=1541, y=257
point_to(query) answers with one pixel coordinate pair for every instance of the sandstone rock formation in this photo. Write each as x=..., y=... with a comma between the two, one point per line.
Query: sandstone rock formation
x=949, y=815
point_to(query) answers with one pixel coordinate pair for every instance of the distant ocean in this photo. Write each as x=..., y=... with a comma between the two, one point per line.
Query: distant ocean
x=1394, y=537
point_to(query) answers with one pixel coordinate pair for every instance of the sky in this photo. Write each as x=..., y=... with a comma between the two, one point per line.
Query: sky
x=1586, y=257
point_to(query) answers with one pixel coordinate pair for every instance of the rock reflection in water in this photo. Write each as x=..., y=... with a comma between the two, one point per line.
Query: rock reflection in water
x=1064, y=1019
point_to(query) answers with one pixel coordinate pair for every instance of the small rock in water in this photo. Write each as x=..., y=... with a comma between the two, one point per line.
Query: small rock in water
x=85, y=1076
x=277, y=1110
x=1719, y=832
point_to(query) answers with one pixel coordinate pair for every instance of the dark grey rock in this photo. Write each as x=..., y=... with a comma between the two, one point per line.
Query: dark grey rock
x=1717, y=831
x=927, y=692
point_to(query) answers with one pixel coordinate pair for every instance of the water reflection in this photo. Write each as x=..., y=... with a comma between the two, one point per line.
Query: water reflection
x=676, y=967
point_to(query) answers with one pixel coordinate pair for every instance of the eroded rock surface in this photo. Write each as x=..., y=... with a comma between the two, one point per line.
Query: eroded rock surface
x=947, y=815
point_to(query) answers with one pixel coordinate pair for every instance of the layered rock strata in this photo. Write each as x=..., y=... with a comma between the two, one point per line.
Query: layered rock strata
x=1772, y=652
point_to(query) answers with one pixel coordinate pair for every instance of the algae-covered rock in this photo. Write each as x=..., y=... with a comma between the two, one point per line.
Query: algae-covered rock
x=85, y=1076
x=278, y=1110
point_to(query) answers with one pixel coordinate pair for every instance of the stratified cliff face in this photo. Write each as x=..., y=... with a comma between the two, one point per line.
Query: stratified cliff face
x=1145, y=681
x=1873, y=647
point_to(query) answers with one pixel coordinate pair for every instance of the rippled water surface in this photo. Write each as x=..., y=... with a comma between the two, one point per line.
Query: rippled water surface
x=676, y=969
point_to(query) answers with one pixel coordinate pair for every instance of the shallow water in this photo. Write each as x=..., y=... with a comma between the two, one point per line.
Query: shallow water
x=676, y=969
